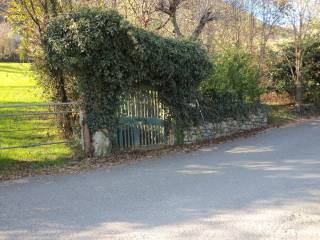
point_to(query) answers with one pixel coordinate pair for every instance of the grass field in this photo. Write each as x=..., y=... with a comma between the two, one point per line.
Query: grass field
x=17, y=85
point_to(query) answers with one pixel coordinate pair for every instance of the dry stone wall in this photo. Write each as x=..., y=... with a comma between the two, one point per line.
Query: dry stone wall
x=211, y=131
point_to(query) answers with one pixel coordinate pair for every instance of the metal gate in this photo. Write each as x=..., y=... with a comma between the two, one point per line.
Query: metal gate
x=25, y=126
x=34, y=125
x=141, y=122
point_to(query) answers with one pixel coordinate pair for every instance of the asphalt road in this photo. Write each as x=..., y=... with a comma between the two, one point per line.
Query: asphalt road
x=263, y=187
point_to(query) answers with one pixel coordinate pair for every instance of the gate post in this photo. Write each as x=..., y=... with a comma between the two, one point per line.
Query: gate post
x=86, y=141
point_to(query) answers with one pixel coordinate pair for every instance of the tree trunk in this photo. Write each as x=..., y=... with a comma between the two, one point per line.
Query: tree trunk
x=252, y=33
x=262, y=47
x=86, y=138
x=176, y=28
x=208, y=16
x=65, y=119
x=299, y=85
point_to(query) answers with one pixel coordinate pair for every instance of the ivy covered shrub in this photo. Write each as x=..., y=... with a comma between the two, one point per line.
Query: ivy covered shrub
x=109, y=59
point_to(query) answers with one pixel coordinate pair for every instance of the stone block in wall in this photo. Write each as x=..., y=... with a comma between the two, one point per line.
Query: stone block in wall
x=265, y=120
x=194, y=138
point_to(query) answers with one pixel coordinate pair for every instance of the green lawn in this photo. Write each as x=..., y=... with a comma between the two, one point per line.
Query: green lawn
x=17, y=85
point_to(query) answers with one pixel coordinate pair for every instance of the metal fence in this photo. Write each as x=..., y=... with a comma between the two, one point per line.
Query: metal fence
x=35, y=125
x=141, y=122
x=23, y=126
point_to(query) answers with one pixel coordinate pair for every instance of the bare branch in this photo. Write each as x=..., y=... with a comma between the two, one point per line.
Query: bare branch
x=208, y=16
x=170, y=7
x=163, y=24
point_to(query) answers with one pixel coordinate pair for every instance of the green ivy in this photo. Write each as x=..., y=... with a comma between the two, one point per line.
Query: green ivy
x=110, y=59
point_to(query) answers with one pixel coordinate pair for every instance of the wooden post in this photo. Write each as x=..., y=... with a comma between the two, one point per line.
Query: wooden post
x=86, y=140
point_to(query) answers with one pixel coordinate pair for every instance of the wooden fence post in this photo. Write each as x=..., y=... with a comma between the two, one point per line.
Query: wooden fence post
x=86, y=140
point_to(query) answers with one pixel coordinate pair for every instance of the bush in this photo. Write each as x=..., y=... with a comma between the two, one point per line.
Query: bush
x=217, y=107
x=234, y=74
x=281, y=69
x=110, y=59
x=280, y=79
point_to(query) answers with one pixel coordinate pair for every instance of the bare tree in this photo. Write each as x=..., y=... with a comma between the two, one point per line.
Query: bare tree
x=251, y=8
x=237, y=26
x=206, y=15
x=235, y=19
x=300, y=16
x=8, y=41
x=30, y=19
x=170, y=7
x=271, y=13
x=143, y=12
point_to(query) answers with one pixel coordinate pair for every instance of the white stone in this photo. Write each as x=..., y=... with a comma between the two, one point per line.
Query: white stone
x=101, y=143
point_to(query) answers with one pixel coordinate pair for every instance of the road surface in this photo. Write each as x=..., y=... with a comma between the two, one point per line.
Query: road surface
x=263, y=187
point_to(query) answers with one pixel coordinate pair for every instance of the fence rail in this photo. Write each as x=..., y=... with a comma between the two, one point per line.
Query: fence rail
x=37, y=105
x=34, y=125
x=36, y=145
x=141, y=122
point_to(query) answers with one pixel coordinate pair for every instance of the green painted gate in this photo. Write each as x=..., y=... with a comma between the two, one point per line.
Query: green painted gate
x=141, y=122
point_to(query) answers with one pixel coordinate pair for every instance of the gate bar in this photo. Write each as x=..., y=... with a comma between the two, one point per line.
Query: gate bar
x=36, y=105
x=36, y=145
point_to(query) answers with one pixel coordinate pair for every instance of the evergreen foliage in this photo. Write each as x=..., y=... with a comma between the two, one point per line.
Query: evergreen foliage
x=282, y=71
x=109, y=59
x=235, y=75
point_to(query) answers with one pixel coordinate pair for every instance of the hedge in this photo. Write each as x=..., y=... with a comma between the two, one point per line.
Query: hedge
x=110, y=59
